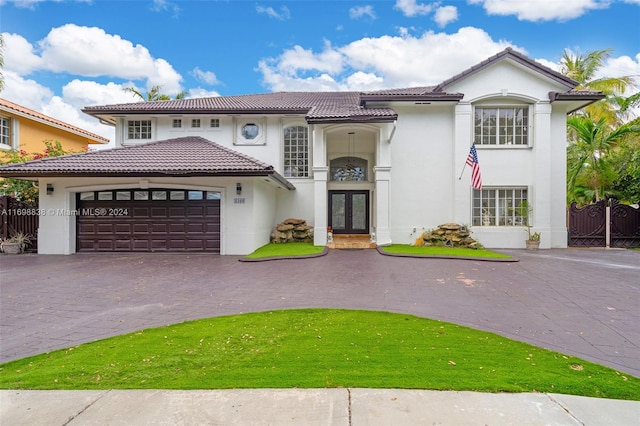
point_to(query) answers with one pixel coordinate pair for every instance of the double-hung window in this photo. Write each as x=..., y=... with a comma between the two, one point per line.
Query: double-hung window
x=296, y=151
x=501, y=125
x=500, y=207
x=5, y=131
x=139, y=129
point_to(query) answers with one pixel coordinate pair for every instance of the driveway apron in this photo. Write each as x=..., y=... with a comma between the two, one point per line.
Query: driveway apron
x=580, y=302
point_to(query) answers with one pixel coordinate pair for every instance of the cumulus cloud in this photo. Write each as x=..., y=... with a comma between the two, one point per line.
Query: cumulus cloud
x=413, y=8
x=381, y=62
x=445, y=15
x=207, y=77
x=362, y=11
x=541, y=10
x=281, y=15
x=19, y=55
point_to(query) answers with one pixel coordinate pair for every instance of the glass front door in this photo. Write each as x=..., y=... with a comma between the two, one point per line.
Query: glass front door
x=349, y=212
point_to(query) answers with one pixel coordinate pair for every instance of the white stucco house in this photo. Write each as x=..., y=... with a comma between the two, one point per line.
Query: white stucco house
x=216, y=174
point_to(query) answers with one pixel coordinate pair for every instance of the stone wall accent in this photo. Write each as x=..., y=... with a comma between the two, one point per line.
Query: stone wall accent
x=292, y=231
x=448, y=235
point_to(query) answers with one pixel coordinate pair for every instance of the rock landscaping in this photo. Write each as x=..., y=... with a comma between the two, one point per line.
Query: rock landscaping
x=448, y=235
x=292, y=231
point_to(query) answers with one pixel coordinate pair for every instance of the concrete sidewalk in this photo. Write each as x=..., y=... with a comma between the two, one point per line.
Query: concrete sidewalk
x=349, y=407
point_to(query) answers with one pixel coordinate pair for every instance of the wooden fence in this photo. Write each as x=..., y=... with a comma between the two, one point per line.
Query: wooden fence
x=17, y=217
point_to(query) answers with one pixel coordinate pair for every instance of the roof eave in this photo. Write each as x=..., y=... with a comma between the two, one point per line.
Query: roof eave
x=429, y=98
x=359, y=119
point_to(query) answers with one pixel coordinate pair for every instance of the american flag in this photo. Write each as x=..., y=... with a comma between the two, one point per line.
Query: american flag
x=472, y=160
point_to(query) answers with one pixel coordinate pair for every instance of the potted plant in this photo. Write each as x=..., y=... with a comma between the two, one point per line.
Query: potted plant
x=533, y=238
x=16, y=244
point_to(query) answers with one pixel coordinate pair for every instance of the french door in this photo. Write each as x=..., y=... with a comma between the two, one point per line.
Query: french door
x=349, y=212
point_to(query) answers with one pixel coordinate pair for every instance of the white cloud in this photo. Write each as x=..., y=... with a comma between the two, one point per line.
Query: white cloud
x=207, y=77
x=541, y=10
x=73, y=49
x=382, y=62
x=445, y=15
x=282, y=15
x=199, y=92
x=360, y=11
x=413, y=8
x=19, y=55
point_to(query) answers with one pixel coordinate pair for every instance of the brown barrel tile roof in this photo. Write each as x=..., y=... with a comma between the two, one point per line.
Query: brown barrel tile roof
x=317, y=106
x=187, y=156
x=20, y=110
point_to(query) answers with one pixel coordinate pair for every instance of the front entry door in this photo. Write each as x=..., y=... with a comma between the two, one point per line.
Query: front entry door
x=349, y=212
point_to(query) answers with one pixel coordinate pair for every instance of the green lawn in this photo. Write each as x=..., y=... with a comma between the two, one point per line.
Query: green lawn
x=285, y=250
x=316, y=348
x=443, y=251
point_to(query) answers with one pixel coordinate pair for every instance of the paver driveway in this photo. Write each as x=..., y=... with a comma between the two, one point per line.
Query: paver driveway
x=581, y=302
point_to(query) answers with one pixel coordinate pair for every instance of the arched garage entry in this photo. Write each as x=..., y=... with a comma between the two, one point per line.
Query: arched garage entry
x=148, y=220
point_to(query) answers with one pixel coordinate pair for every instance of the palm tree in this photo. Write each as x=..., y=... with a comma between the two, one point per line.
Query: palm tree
x=154, y=94
x=589, y=167
x=1, y=62
x=583, y=69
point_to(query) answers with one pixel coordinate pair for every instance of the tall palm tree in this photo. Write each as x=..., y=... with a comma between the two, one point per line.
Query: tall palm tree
x=589, y=163
x=583, y=69
x=154, y=94
x=1, y=62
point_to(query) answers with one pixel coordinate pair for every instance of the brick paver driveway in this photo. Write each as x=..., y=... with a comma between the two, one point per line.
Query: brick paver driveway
x=581, y=302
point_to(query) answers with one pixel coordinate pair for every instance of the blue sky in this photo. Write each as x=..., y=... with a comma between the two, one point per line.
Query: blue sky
x=63, y=55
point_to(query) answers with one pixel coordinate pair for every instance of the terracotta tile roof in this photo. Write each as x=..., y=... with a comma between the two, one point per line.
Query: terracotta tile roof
x=181, y=157
x=316, y=106
x=12, y=107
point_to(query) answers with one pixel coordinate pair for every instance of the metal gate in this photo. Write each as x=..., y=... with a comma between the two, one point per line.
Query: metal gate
x=604, y=224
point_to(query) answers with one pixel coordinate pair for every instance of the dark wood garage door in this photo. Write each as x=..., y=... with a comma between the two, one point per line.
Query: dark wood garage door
x=148, y=220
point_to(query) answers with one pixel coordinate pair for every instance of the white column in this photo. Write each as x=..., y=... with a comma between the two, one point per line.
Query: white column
x=383, y=176
x=541, y=175
x=320, y=209
x=463, y=137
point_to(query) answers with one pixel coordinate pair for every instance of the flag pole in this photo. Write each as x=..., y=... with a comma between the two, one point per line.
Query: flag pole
x=461, y=173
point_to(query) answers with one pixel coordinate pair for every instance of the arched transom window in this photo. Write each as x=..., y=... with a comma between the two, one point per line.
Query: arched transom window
x=345, y=169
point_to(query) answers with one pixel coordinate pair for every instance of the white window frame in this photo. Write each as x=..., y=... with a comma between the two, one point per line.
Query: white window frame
x=494, y=140
x=5, y=132
x=498, y=206
x=176, y=123
x=260, y=139
x=196, y=123
x=127, y=125
x=213, y=121
x=296, y=151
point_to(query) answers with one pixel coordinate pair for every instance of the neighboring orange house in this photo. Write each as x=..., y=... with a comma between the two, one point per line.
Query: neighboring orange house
x=22, y=128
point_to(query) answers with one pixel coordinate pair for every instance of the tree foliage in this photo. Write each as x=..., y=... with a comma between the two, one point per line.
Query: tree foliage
x=154, y=94
x=25, y=190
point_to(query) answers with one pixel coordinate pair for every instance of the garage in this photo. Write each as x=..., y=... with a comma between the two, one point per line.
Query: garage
x=148, y=220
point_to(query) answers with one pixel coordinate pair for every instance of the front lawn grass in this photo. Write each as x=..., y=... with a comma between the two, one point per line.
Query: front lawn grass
x=285, y=250
x=316, y=348
x=443, y=251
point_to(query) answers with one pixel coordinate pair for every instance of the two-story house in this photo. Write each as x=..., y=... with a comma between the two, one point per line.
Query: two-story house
x=22, y=128
x=216, y=174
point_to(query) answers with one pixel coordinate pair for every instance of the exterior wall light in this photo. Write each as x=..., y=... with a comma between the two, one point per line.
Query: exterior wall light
x=239, y=188
x=49, y=189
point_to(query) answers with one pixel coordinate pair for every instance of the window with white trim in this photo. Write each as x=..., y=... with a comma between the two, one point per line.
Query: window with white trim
x=214, y=123
x=503, y=125
x=296, y=151
x=176, y=123
x=195, y=123
x=139, y=129
x=500, y=207
x=5, y=131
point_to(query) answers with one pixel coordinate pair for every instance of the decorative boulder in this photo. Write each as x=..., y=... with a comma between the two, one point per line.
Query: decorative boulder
x=292, y=231
x=448, y=235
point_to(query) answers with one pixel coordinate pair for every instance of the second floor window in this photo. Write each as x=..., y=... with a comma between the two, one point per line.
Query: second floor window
x=195, y=123
x=177, y=123
x=296, y=151
x=5, y=131
x=139, y=129
x=501, y=126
